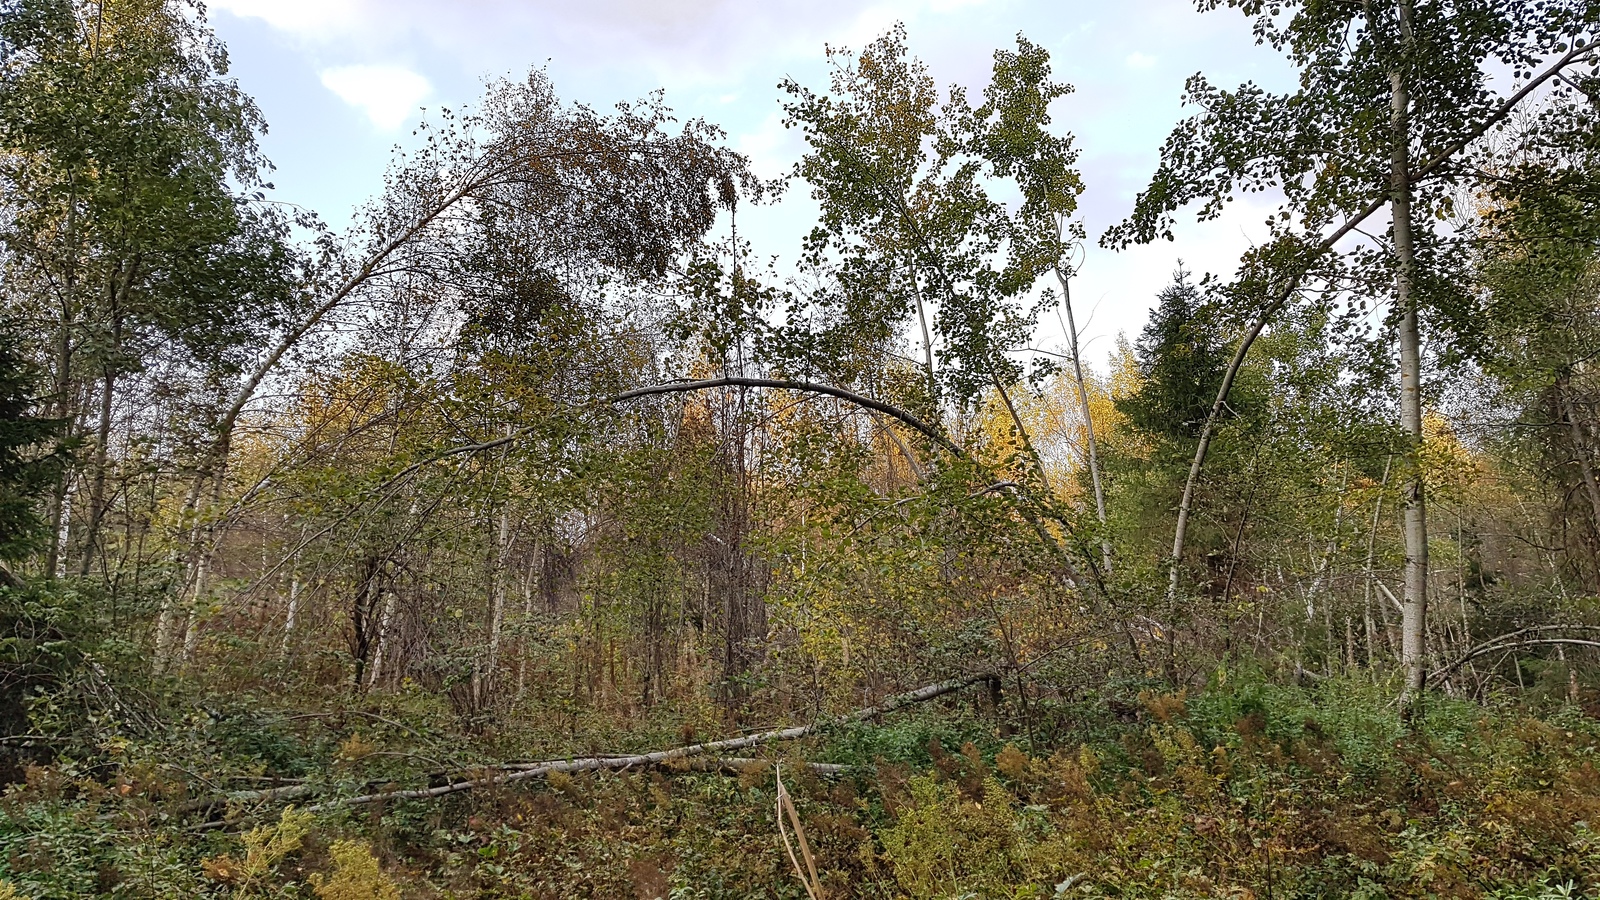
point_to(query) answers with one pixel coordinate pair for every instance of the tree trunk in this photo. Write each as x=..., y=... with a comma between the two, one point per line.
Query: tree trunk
x=1414, y=610
x=171, y=601
x=191, y=627
x=1180, y=531
x=292, y=613
x=64, y=400
x=205, y=544
x=527, y=625
x=927, y=348
x=1372, y=546
x=361, y=616
x=1580, y=446
x=120, y=286
x=97, y=484
x=497, y=614
x=385, y=625
x=1088, y=417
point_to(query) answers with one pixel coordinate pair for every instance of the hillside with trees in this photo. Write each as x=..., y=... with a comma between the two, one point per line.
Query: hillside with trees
x=540, y=536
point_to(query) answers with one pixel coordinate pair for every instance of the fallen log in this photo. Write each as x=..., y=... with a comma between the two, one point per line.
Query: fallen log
x=699, y=757
x=660, y=757
x=740, y=765
x=735, y=765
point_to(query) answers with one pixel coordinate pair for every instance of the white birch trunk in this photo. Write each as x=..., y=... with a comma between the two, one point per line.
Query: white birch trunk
x=1414, y=611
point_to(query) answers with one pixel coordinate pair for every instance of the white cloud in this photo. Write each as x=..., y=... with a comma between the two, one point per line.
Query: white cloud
x=387, y=94
x=301, y=17
x=1140, y=61
x=689, y=43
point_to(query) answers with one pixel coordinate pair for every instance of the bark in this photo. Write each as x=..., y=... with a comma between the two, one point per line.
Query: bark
x=927, y=348
x=1372, y=547
x=1580, y=447
x=497, y=613
x=291, y=614
x=97, y=484
x=527, y=625
x=1414, y=611
x=385, y=624
x=191, y=627
x=361, y=616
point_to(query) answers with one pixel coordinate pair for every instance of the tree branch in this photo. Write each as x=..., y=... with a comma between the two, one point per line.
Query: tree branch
x=676, y=387
x=1522, y=637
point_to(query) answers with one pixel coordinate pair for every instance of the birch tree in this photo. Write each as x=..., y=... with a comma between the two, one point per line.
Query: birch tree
x=1393, y=96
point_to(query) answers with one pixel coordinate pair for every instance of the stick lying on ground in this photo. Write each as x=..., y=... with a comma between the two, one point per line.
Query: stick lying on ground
x=706, y=757
x=742, y=764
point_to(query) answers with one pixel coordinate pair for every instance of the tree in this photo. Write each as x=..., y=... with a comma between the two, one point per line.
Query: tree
x=1535, y=258
x=1391, y=95
x=907, y=227
x=1009, y=132
x=604, y=199
x=134, y=229
x=1182, y=356
x=29, y=464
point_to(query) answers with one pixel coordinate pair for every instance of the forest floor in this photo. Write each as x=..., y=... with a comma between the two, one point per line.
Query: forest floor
x=1247, y=789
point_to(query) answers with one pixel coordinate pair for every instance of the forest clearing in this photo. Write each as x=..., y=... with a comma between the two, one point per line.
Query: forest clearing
x=543, y=534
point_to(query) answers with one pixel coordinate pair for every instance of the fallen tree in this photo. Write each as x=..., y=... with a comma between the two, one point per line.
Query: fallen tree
x=709, y=756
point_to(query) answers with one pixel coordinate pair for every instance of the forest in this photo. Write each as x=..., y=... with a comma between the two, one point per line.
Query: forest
x=539, y=536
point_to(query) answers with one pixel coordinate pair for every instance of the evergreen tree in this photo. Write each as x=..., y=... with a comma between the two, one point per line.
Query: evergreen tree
x=30, y=458
x=1181, y=356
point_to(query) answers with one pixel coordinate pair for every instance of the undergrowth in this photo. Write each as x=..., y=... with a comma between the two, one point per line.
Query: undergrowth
x=1248, y=789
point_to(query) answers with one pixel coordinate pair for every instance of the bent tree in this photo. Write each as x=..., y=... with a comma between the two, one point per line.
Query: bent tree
x=601, y=197
x=907, y=227
x=1393, y=96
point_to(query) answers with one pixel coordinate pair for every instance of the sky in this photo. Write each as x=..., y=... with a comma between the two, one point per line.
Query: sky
x=343, y=82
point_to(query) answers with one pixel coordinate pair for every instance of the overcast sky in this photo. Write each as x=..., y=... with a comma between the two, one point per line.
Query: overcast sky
x=341, y=82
